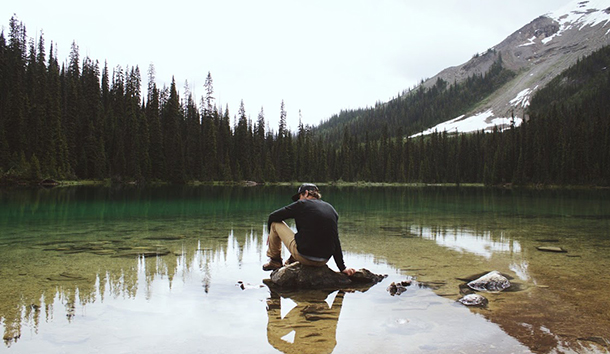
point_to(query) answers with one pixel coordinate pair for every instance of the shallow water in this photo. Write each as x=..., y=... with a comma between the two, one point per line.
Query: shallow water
x=178, y=269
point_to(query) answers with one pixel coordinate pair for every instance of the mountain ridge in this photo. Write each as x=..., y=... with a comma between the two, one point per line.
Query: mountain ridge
x=537, y=52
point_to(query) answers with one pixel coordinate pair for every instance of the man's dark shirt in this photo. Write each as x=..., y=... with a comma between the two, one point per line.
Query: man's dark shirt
x=317, y=233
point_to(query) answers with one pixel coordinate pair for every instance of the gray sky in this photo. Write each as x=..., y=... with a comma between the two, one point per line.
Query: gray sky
x=318, y=56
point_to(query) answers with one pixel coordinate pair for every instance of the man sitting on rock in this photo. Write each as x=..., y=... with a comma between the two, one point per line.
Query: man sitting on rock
x=317, y=237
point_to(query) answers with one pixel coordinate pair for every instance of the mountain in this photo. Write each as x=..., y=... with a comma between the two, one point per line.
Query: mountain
x=537, y=53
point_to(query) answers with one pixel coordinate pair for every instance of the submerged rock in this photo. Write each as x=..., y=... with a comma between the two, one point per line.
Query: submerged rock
x=492, y=281
x=473, y=300
x=298, y=276
x=398, y=288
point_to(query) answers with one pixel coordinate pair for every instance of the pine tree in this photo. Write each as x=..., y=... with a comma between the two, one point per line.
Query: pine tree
x=15, y=91
x=172, y=140
x=137, y=145
x=260, y=155
x=193, y=141
x=224, y=146
x=116, y=126
x=35, y=112
x=155, y=149
x=4, y=89
x=304, y=156
x=71, y=110
x=243, y=145
x=284, y=160
x=57, y=150
x=93, y=158
x=209, y=132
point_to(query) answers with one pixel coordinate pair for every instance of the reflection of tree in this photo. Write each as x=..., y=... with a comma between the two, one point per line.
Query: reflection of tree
x=312, y=322
x=65, y=246
x=33, y=280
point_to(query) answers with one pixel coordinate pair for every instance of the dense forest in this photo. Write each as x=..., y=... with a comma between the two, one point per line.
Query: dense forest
x=78, y=120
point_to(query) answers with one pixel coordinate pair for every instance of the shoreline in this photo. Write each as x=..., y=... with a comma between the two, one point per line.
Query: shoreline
x=360, y=184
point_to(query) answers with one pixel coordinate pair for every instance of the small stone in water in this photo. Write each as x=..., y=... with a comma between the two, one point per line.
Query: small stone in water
x=473, y=300
x=396, y=289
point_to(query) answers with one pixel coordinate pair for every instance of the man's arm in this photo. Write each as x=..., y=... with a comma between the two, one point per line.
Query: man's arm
x=338, y=256
x=287, y=212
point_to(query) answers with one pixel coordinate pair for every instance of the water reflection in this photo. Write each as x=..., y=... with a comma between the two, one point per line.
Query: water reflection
x=484, y=244
x=520, y=269
x=310, y=325
x=96, y=269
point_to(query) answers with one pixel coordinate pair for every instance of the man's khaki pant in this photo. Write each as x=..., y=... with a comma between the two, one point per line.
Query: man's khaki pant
x=281, y=233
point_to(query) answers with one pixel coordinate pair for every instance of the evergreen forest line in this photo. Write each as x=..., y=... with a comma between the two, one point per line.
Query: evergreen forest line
x=79, y=121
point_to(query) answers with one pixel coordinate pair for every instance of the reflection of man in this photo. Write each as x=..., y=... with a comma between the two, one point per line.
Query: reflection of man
x=312, y=323
x=317, y=237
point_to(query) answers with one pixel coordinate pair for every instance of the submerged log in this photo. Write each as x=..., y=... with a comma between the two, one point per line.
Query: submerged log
x=551, y=249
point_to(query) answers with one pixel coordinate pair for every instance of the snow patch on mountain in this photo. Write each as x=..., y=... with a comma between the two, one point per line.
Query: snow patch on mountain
x=530, y=41
x=523, y=98
x=537, y=52
x=486, y=121
x=578, y=14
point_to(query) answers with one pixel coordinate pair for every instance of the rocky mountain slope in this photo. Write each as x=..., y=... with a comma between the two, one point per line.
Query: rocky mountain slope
x=537, y=52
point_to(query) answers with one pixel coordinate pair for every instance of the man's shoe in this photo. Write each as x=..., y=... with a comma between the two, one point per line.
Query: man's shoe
x=290, y=261
x=273, y=264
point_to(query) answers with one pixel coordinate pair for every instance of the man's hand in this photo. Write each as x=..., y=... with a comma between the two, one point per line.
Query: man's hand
x=349, y=271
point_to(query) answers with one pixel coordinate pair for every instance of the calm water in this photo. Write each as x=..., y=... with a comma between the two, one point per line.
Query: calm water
x=178, y=269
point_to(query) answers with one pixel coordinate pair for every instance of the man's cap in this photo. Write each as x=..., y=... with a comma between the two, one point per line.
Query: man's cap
x=304, y=187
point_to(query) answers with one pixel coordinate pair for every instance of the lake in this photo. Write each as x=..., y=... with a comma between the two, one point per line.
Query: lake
x=178, y=269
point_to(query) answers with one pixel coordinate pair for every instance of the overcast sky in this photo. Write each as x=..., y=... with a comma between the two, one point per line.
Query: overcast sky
x=319, y=56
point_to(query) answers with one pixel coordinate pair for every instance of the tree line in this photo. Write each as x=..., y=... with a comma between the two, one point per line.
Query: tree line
x=78, y=120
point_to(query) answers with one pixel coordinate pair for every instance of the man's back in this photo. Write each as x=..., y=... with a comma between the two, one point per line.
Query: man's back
x=317, y=232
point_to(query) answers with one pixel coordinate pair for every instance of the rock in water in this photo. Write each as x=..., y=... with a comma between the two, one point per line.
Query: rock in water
x=365, y=276
x=306, y=277
x=298, y=276
x=473, y=300
x=492, y=281
x=398, y=288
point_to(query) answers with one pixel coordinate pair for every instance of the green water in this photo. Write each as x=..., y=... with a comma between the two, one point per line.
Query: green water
x=178, y=269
